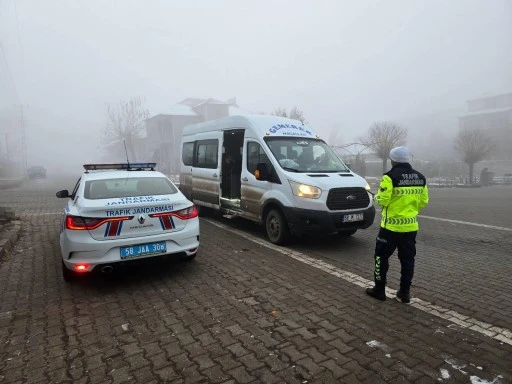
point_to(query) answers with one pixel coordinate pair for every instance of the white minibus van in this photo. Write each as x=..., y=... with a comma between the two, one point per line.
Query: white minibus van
x=275, y=171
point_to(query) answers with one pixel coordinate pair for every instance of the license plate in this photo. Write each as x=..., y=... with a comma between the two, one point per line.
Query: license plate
x=143, y=249
x=352, y=217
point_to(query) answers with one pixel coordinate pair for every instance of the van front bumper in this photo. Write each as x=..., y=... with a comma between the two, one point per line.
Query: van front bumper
x=308, y=221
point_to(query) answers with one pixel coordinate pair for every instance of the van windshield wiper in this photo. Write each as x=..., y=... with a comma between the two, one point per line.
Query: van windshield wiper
x=291, y=169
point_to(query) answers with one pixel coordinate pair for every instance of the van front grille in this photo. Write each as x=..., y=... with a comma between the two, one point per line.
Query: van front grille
x=347, y=198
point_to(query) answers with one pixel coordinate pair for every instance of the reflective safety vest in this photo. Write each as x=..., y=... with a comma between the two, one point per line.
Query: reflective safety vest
x=402, y=194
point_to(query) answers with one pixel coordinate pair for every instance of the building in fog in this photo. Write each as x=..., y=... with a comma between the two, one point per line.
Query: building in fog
x=493, y=114
x=163, y=131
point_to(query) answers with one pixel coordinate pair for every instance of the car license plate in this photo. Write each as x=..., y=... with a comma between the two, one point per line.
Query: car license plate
x=352, y=217
x=143, y=249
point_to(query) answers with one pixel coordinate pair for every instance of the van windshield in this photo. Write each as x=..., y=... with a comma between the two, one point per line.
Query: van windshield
x=305, y=155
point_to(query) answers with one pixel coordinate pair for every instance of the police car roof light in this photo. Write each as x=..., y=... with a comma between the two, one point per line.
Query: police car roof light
x=120, y=166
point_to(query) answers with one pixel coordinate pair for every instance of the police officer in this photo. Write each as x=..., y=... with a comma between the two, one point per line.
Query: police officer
x=402, y=194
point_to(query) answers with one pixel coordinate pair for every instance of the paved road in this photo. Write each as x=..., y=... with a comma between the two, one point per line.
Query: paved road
x=460, y=266
x=249, y=312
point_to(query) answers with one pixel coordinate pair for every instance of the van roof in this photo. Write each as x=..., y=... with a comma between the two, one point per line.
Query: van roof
x=261, y=125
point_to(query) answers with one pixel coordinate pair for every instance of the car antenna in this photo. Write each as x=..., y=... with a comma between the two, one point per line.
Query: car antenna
x=126, y=151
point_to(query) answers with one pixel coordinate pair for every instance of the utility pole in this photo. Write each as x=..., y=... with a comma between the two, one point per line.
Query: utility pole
x=7, y=151
x=21, y=125
x=23, y=143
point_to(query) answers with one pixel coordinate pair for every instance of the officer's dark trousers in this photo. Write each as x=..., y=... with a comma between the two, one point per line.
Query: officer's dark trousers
x=387, y=242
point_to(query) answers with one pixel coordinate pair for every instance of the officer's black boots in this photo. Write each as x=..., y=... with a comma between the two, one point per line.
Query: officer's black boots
x=404, y=296
x=378, y=292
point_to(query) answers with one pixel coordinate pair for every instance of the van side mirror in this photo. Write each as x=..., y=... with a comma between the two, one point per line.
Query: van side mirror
x=262, y=172
x=62, y=194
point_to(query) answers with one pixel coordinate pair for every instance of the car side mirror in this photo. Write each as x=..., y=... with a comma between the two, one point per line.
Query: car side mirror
x=63, y=194
x=262, y=172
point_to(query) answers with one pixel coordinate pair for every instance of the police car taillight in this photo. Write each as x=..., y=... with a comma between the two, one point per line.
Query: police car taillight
x=90, y=223
x=81, y=267
x=183, y=214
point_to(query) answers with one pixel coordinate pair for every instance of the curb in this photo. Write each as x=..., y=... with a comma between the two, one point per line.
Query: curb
x=10, y=237
x=10, y=230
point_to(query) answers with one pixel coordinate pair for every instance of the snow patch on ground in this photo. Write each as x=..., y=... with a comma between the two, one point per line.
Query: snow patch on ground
x=456, y=365
x=474, y=379
x=445, y=375
x=477, y=380
x=374, y=344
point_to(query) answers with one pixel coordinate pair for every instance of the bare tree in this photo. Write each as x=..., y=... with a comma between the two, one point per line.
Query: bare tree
x=297, y=114
x=334, y=139
x=280, y=112
x=125, y=122
x=473, y=145
x=382, y=137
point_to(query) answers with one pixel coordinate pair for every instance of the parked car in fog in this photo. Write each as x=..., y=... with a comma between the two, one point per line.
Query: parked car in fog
x=36, y=172
x=120, y=212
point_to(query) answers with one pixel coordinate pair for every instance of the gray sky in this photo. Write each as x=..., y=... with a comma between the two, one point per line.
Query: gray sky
x=345, y=63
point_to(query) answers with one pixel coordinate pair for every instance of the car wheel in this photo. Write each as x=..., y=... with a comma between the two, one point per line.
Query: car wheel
x=67, y=274
x=277, y=227
x=347, y=232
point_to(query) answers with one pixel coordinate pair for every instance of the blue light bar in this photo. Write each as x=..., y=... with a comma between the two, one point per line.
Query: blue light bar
x=120, y=166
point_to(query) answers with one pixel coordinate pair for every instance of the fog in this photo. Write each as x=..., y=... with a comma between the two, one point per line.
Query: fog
x=345, y=64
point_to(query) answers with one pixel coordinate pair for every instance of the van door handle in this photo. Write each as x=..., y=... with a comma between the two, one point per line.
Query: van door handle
x=245, y=179
x=214, y=175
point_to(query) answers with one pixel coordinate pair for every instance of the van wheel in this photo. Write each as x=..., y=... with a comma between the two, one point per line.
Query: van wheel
x=202, y=211
x=277, y=227
x=347, y=232
x=67, y=274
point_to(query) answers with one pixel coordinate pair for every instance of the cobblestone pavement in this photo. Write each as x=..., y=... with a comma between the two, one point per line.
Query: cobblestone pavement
x=244, y=312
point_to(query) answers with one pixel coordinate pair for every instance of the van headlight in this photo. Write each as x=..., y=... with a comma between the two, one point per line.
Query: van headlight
x=304, y=190
x=367, y=187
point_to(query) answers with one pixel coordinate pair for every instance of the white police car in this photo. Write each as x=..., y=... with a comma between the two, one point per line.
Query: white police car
x=120, y=212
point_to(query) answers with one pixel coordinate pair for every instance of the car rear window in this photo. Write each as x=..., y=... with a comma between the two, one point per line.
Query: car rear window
x=131, y=187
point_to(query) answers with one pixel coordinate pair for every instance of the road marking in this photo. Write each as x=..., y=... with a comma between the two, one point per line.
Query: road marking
x=467, y=223
x=503, y=335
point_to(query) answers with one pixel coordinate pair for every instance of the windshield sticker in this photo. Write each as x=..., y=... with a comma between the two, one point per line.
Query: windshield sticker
x=138, y=210
x=290, y=130
x=137, y=200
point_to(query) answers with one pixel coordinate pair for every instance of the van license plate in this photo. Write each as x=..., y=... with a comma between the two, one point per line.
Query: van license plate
x=143, y=249
x=352, y=217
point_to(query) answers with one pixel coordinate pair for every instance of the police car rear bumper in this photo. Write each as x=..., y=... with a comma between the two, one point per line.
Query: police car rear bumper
x=307, y=221
x=93, y=253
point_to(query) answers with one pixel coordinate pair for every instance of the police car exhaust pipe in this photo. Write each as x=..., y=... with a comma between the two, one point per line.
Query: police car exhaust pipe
x=107, y=269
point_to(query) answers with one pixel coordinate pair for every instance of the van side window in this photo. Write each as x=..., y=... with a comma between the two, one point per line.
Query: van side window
x=207, y=154
x=188, y=153
x=255, y=155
